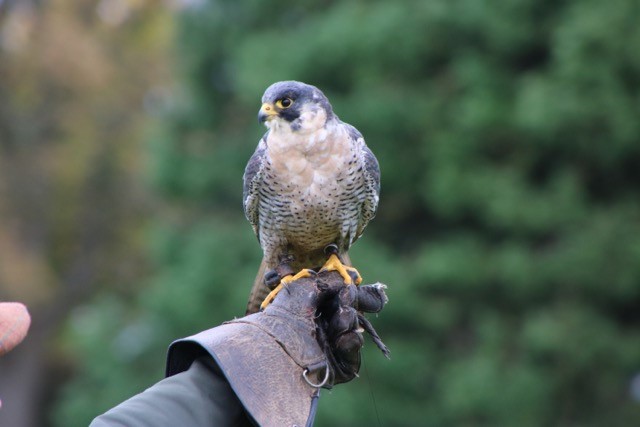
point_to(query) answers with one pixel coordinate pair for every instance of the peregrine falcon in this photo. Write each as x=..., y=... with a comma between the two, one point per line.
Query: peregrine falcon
x=310, y=188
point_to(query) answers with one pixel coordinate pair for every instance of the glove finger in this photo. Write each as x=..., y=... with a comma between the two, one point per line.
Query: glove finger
x=372, y=298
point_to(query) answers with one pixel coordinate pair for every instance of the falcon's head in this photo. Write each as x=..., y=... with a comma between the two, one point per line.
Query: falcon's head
x=296, y=106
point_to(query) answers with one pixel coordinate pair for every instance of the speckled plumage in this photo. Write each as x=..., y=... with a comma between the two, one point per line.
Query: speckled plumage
x=312, y=181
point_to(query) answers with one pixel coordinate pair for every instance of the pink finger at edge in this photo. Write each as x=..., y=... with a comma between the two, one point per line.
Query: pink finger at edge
x=14, y=324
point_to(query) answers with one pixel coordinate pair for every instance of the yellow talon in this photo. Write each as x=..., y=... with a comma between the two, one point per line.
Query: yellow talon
x=283, y=283
x=272, y=295
x=334, y=264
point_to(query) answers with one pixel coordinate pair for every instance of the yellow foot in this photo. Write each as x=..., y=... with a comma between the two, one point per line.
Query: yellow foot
x=283, y=283
x=334, y=264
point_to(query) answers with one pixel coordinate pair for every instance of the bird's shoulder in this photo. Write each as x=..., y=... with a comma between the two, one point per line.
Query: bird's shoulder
x=353, y=133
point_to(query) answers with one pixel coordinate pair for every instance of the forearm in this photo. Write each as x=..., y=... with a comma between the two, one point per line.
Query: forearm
x=198, y=397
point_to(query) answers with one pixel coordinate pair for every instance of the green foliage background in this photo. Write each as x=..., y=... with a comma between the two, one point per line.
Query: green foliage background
x=509, y=223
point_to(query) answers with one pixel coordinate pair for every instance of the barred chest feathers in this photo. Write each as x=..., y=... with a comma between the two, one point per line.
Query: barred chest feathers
x=314, y=181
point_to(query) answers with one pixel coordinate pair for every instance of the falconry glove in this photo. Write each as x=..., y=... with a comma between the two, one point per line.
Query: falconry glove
x=277, y=360
x=340, y=324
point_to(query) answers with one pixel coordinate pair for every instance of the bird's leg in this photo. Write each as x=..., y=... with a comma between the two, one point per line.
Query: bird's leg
x=334, y=263
x=283, y=284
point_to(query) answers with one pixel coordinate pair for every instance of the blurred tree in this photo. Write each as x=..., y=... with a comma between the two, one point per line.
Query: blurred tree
x=72, y=86
x=509, y=224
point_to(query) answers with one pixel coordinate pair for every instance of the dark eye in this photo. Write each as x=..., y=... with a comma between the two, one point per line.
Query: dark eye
x=284, y=103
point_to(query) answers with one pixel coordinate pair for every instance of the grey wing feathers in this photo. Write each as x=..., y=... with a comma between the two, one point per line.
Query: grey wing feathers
x=250, y=188
x=372, y=188
x=371, y=171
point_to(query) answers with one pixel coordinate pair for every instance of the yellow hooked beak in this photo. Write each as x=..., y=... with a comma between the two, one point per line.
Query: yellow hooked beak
x=267, y=112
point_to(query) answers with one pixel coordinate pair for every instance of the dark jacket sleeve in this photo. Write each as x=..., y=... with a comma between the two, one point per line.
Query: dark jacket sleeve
x=197, y=397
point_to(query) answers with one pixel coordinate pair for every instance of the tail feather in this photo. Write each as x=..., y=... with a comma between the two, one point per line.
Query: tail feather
x=259, y=291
